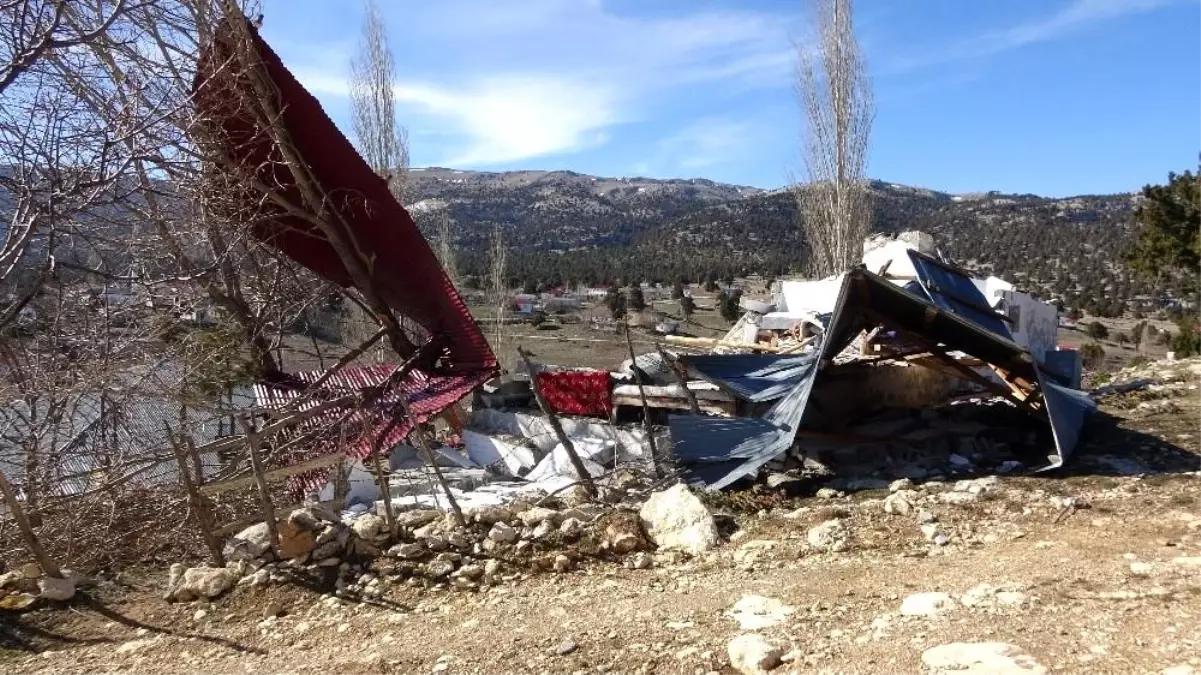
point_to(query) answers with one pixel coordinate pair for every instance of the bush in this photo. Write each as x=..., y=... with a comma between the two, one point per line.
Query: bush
x=1092, y=354
x=1187, y=342
x=1097, y=331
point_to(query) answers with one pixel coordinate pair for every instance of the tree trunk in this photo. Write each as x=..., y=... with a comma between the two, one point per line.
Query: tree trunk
x=49, y=568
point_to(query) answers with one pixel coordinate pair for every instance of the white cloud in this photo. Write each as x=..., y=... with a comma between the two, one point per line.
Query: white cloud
x=518, y=117
x=707, y=142
x=1075, y=16
x=514, y=81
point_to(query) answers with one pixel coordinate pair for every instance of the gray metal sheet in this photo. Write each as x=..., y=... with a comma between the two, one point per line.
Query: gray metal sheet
x=1068, y=409
x=700, y=440
x=753, y=377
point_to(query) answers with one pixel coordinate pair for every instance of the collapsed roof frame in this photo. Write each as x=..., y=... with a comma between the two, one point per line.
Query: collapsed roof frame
x=720, y=452
x=311, y=196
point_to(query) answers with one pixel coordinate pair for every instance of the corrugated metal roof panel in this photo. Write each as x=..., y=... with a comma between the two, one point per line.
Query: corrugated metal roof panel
x=1067, y=410
x=701, y=440
x=754, y=377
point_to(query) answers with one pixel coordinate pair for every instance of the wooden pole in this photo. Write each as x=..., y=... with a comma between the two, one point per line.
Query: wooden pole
x=49, y=568
x=678, y=370
x=646, y=409
x=256, y=466
x=553, y=418
x=418, y=435
x=381, y=477
x=196, y=502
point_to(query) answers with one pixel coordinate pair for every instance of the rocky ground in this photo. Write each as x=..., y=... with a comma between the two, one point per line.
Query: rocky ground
x=1094, y=570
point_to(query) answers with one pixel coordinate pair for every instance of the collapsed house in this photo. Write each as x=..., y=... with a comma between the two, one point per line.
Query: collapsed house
x=860, y=360
x=913, y=339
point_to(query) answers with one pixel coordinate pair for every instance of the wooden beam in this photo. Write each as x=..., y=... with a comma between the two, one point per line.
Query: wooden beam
x=646, y=409
x=679, y=371
x=267, y=508
x=196, y=502
x=274, y=474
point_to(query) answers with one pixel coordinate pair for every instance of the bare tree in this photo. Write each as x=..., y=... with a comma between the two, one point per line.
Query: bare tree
x=446, y=246
x=383, y=143
x=836, y=101
x=499, y=288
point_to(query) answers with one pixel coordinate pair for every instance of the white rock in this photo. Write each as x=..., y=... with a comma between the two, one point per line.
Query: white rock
x=206, y=582
x=751, y=551
x=987, y=595
x=56, y=589
x=407, y=551
x=675, y=519
x=199, y=615
x=751, y=654
x=250, y=543
x=900, y=484
x=502, y=533
x=536, y=515
x=829, y=493
x=831, y=535
x=927, y=604
x=562, y=563
x=1012, y=598
x=980, y=658
x=1182, y=669
x=1141, y=569
x=369, y=526
x=958, y=498
x=642, y=561
x=439, y=568
x=924, y=516
x=900, y=503
x=756, y=612
x=491, y=568
x=571, y=527
x=543, y=529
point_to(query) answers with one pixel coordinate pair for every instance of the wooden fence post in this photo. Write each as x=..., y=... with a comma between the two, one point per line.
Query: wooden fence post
x=646, y=409
x=256, y=466
x=196, y=502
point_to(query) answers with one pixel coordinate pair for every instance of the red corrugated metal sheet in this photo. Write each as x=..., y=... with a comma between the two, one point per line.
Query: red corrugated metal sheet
x=404, y=269
x=353, y=429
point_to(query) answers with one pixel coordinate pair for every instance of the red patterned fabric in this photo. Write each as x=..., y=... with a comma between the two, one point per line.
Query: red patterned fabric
x=577, y=392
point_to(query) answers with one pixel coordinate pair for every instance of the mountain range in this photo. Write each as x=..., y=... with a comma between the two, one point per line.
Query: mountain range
x=561, y=226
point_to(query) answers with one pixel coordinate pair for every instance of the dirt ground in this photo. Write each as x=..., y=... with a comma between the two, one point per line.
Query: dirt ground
x=1106, y=555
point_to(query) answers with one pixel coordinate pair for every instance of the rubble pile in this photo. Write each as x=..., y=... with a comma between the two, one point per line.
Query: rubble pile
x=361, y=558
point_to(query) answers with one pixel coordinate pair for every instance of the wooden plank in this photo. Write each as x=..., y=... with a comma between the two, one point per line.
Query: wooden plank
x=274, y=474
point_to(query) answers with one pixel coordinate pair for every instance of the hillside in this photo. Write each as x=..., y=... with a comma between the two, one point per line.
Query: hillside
x=564, y=226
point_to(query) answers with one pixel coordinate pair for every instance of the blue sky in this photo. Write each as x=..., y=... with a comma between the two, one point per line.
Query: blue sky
x=1053, y=97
